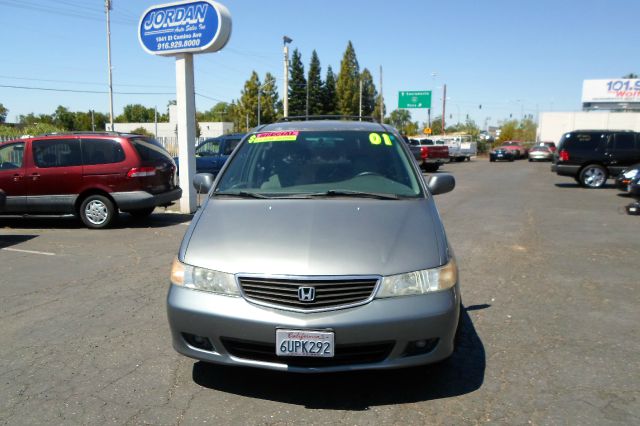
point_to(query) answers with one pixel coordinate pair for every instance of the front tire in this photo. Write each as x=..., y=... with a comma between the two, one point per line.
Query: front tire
x=593, y=176
x=430, y=167
x=97, y=212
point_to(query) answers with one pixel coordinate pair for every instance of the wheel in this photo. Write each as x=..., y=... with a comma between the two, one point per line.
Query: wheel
x=511, y=159
x=530, y=160
x=593, y=176
x=492, y=159
x=141, y=213
x=97, y=211
x=431, y=167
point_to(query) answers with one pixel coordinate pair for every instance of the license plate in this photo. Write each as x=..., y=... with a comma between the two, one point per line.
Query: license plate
x=304, y=343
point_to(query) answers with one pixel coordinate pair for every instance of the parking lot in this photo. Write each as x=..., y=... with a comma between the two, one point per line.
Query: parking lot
x=549, y=275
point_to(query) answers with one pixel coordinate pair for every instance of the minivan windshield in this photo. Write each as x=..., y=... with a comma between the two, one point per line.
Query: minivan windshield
x=322, y=163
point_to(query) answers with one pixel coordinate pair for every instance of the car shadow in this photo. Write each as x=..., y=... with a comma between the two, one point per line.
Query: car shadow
x=125, y=221
x=462, y=373
x=577, y=185
x=12, y=240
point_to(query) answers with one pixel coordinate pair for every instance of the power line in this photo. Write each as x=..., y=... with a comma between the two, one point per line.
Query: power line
x=65, y=12
x=81, y=91
x=80, y=82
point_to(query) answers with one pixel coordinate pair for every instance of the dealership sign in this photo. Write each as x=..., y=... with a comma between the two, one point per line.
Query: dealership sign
x=611, y=90
x=184, y=27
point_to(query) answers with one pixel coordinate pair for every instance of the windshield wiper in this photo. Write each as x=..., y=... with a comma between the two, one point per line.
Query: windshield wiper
x=240, y=194
x=359, y=194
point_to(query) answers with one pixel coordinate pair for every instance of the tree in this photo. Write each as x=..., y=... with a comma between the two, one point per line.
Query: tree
x=347, y=86
x=3, y=113
x=32, y=119
x=63, y=118
x=247, y=107
x=376, y=110
x=315, y=86
x=136, y=113
x=142, y=131
x=401, y=120
x=218, y=112
x=270, y=105
x=369, y=94
x=630, y=75
x=436, y=125
x=329, y=97
x=297, y=86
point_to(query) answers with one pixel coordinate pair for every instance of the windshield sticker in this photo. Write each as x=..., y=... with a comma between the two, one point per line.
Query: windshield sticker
x=287, y=136
x=376, y=139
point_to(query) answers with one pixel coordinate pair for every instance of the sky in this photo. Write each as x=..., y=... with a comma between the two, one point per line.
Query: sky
x=512, y=58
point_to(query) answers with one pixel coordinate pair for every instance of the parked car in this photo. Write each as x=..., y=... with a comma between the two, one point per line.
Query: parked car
x=592, y=156
x=429, y=155
x=501, y=154
x=319, y=248
x=518, y=149
x=625, y=177
x=211, y=154
x=92, y=175
x=540, y=153
x=550, y=145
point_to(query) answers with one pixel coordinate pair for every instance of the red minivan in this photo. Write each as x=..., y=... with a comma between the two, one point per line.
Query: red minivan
x=92, y=175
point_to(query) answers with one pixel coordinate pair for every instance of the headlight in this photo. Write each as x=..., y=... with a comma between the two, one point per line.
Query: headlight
x=203, y=279
x=419, y=282
x=631, y=174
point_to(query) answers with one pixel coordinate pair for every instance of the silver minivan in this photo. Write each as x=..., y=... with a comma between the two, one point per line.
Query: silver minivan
x=318, y=248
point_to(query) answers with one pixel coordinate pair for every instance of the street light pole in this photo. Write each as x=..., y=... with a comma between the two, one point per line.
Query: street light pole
x=107, y=5
x=285, y=96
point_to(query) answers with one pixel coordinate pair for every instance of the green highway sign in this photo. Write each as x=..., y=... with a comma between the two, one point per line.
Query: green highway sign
x=419, y=99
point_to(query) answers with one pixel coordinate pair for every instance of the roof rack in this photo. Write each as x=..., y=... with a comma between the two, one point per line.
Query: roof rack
x=85, y=132
x=326, y=117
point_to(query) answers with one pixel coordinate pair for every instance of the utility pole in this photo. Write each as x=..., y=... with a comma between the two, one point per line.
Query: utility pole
x=307, y=101
x=93, y=122
x=259, y=90
x=381, y=99
x=285, y=96
x=155, y=120
x=360, y=113
x=107, y=6
x=444, y=108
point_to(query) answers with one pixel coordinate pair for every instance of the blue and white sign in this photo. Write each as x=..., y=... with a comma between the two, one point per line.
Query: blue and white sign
x=184, y=27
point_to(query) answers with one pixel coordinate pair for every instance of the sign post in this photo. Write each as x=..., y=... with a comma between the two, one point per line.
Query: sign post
x=414, y=99
x=181, y=29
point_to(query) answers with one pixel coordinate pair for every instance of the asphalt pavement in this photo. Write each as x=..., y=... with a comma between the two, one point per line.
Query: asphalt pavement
x=549, y=274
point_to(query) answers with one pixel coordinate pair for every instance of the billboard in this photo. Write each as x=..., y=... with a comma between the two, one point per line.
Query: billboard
x=611, y=90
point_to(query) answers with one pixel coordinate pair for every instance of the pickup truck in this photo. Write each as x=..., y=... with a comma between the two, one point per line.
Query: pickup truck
x=211, y=154
x=428, y=155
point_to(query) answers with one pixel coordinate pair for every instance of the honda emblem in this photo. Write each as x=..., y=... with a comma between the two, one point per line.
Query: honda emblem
x=306, y=294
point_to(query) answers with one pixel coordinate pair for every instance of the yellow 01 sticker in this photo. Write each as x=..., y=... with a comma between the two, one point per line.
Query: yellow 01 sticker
x=377, y=139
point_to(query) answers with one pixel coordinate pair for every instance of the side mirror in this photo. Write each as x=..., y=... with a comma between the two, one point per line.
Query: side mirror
x=441, y=184
x=203, y=182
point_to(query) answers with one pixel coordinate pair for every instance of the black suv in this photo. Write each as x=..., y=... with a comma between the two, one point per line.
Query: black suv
x=592, y=156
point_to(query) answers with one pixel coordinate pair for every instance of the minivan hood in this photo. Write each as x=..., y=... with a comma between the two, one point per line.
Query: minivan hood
x=316, y=237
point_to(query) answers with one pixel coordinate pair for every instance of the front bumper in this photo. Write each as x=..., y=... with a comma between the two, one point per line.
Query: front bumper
x=394, y=322
x=133, y=200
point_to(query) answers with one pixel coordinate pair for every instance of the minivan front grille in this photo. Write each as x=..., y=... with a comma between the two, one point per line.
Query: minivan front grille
x=364, y=353
x=326, y=293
